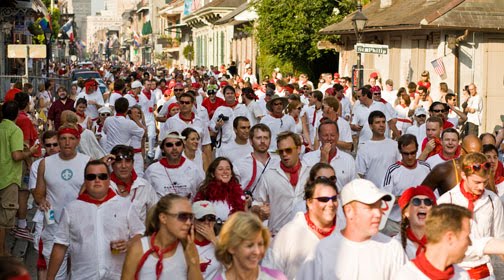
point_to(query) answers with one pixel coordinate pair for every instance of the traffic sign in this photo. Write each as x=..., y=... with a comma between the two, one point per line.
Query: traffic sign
x=20, y=51
x=371, y=48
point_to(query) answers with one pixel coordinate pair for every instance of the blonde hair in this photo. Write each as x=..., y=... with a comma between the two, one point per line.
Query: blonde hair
x=69, y=117
x=239, y=227
x=293, y=105
x=444, y=218
x=162, y=206
x=474, y=159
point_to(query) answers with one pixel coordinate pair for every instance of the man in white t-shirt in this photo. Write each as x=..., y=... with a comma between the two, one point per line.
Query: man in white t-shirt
x=455, y=115
x=450, y=148
x=346, y=106
x=358, y=251
x=240, y=147
x=277, y=121
x=392, y=123
x=417, y=128
x=327, y=82
x=402, y=175
x=93, y=97
x=119, y=129
x=314, y=113
x=148, y=104
x=378, y=152
x=133, y=95
x=249, y=99
x=342, y=162
x=474, y=111
x=330, y=109
x=95, y=229
x=119, y=86
x=249, y=76
x=389, y=93
x=447, y=232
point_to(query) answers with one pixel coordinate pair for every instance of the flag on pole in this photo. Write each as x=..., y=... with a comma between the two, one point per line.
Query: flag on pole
x=45, y=23
x=438, y=66
x=136, y=39
x=68, y=29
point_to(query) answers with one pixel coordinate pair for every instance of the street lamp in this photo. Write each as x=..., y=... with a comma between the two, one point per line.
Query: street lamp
x=47, y=35
x=359, y=21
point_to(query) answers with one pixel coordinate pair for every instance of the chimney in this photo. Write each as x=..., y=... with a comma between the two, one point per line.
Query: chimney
x=385, y=4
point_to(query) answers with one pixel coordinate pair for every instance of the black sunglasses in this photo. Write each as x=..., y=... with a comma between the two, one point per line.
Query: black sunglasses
x=409, y=154
x=208, y=218
x=332, y=178
x=439, y=111
x=170, y=145
x=426, y=201
x=185, y=102
x=182, y=216
x=325, y=199
x=175, y=89
x=49, y=145
x=91, y=176
x=105, y=115
x=421, y=116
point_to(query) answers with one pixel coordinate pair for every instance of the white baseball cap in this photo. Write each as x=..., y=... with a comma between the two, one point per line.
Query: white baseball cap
x=202, y=208
x=136, y=84
x=363, y=191
x=104, y=109
x=420, y=111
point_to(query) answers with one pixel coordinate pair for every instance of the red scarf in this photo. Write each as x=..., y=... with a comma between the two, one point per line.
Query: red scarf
x=82, y=115
x=498, y=177
x=232, y=105
x=147, y=93
x=314, y=116
x=437, y=149
x=230, y=192
x=423, y=264
x=100, y=127
x=456, y=155
x=293, y=171
x=470, y=196
x=201, y=243
x=159, y=253
x=164, y=162
x=383, y=101
x=119, y=182
x=87, y=198
x=118, y=92
x=332, y=155
x=189, y=119
x=324, y=233
x=421, y=242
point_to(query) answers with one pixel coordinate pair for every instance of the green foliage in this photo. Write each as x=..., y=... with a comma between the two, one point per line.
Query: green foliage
x=55, y=19
x=268, y=62
x=188, y=52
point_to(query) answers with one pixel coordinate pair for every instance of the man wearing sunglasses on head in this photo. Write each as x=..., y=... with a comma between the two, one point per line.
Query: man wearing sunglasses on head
x=95, y=229
x=126, y=183
x=358, y=251
x=204, y=237
x=59, y=180
x=173, y=173
x=306, y=229
x=282, y=184
x=488, y=212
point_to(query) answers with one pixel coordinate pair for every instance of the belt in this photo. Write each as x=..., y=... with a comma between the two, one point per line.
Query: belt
x=137, y=150
x=479, y=272
x=404, y=120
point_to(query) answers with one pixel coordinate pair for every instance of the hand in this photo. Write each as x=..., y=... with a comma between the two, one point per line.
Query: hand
x=108, y=159
x=324, y=152
x=190, y=251
x=206, y=231
x=356, y=127
x=34, y=149
x=430, y=145
x=44, y=205
x=219, y=124
x=119, y=246
x=263, y=211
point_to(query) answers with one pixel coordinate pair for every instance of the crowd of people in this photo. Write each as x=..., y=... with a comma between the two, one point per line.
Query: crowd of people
x=203, y=174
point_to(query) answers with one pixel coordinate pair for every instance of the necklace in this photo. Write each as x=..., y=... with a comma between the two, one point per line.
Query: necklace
x=323, y=232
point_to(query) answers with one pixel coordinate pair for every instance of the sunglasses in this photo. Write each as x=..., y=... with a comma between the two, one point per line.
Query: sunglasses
x=409, y=154
x=182, y=216
x=178, y=89
x=439, y=111
x=377, y=93
x=92, y=177
x=185, y=102
x=208, y=218
x=332, y=178
x=105, y=115
x=299, y=108
x=49, y=145
x=286, y=150
x=325, y=199
x=477, y=167
x=211, y=92
x=127, y=158
x=418, y=201
x=421, y=116
x=170, y=145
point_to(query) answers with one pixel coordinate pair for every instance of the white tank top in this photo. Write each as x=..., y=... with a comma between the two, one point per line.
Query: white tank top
x=174, y=267
x=64, y=179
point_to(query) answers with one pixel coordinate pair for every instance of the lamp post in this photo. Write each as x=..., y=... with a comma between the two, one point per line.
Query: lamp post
x=48, y=34
x=359, y=21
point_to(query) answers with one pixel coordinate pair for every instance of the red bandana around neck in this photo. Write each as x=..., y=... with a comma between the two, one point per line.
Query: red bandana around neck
x=87, y=198
x=159, y=254
x=232, y=105
x=456, y=155
x=164, y=162
x=201, y=243
x=82, y=115
x=437, y=149
x=120, y=115
x=423, y=264
x=119, y=92
x=190, y=119
x=293, y=171
x=147, y=93
x=383, y=101
x=332, y=155
x=471, y=198
x=421, y=242
x=119, y=182
x=324, y=233
x=314, y=116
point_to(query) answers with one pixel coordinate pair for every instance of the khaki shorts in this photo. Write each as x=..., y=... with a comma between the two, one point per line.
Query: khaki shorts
x=8, y=206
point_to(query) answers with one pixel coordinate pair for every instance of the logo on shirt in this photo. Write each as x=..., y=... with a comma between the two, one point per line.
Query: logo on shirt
x=204, y=265
x=66, y=174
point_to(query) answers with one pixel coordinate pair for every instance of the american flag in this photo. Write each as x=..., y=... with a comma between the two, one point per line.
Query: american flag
x=438, y=66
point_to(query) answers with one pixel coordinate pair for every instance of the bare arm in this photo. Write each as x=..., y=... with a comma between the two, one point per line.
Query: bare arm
x=57, y=255
x=207, y=150
x=306, y=129
x=133, y=256
x=39, y=194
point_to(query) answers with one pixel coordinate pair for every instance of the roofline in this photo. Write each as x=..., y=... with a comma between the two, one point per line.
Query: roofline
x=412, y=27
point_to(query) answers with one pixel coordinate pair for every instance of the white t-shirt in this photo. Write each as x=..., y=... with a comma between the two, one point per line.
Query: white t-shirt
x=119, y=131
x=142, y=196
x=360, y=117
x=227, y=129
x=113, y=98
x=174, y=180
x=277, y=125
x=374, y=156
x=389, y=96
x=255, y=112
x=435, y=160
x=475, y=102
x=411, y=272
x=32, y=183
x=234, y=151
x=92, y=110
x=175, y=123
x=398, y=178
x=88, y=229
x=336, y=257
x=346, y=107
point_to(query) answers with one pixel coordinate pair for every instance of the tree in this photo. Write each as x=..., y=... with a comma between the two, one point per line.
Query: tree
x=290, y=29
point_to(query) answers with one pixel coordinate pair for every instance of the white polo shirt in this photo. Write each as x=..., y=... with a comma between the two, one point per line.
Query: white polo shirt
x=142, y=196
x=373, y=157
x=88, y=229
x=337, y=257
x=313, y=118
x=120, y=130
x=277, y=125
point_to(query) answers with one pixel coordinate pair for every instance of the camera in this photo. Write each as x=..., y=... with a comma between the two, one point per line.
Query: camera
x=222, y=117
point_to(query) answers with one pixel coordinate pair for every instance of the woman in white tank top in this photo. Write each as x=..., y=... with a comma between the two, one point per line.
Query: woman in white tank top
x=167, y=251
x=192, y=150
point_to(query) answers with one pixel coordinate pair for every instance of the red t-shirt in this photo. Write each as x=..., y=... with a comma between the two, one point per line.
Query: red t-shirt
x=9, y=96
x=211, y=107
x=29, y=132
